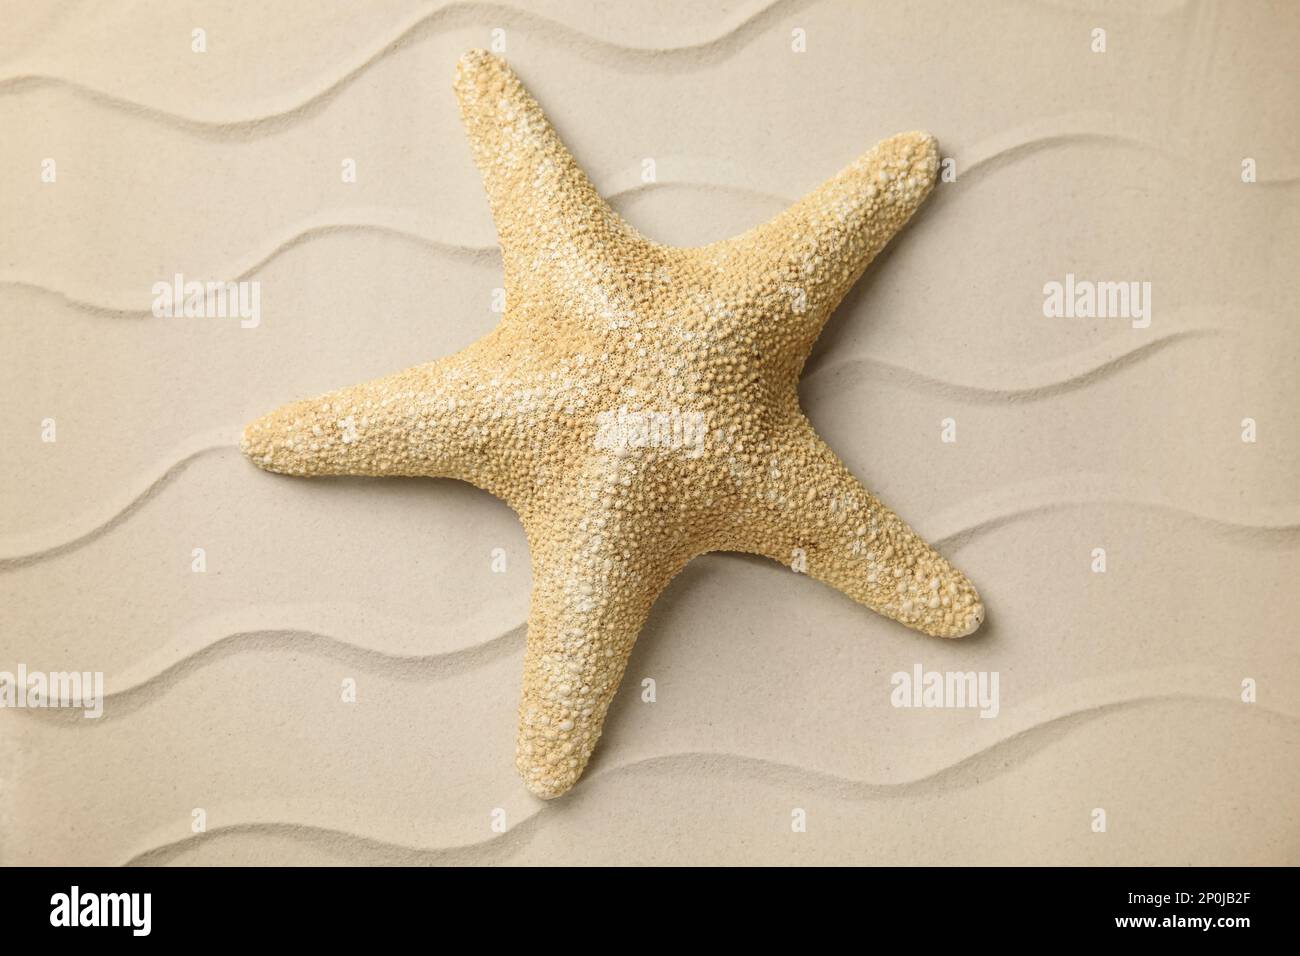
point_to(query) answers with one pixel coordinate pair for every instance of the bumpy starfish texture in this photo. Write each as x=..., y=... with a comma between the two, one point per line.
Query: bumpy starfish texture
x=637, y=407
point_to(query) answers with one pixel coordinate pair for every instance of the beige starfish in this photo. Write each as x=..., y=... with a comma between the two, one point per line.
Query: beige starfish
x=637, y=407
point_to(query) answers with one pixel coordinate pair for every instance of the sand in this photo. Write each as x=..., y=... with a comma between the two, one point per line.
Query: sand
x=1119, y=691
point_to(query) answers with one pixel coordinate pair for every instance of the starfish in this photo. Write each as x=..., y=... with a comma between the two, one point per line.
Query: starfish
x=637, y=406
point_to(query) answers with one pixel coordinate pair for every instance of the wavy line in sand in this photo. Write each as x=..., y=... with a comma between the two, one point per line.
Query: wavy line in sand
x=406, y=667
x=352, y=847
x=416, y=29
x=983, y=765
x=1001, y=150
x=1280, y=535
x=692, y=55
x=21, y=550
x=301, y=236
x=953, y=528
x=1079, y=129
x=1043, y=381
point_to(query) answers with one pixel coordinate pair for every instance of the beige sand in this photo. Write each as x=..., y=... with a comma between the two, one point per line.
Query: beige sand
x=1119, y=690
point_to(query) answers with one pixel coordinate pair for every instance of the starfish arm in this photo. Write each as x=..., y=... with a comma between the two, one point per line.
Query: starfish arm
x=431, y=420
x=811, y=255
x=600, y=559
x=550, y=220
x=806, y=510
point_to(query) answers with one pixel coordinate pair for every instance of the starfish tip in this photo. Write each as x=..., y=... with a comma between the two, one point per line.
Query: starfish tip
x=547, y=788
x=255, y=444
x=269, y=443
x=973, y=622
x=920, y=150
x=477, y=61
